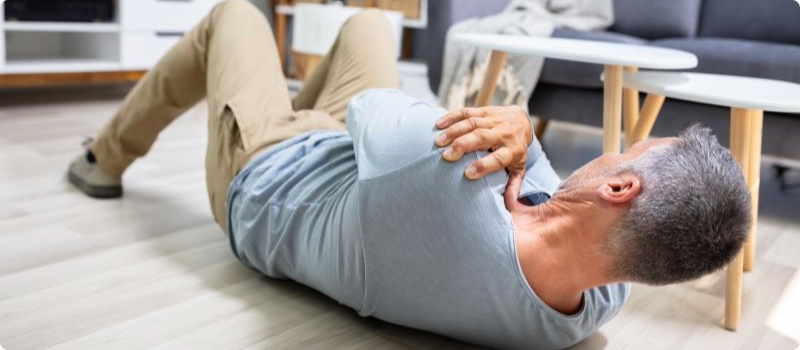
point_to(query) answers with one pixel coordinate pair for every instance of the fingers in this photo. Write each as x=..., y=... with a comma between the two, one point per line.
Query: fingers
x=478, y=140
x=462, y=128
x=488, y=128
x=513, y=189
x=497, y=160
x=453, y=117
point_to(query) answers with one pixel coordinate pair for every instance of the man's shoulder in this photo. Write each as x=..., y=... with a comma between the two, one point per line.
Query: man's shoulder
x=378, y=98
x=390, y=130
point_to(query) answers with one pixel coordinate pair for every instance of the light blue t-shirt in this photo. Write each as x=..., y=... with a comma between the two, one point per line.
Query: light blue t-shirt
x=378, y=221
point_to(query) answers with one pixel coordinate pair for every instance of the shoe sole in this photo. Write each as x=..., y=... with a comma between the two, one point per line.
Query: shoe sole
x=102, y=192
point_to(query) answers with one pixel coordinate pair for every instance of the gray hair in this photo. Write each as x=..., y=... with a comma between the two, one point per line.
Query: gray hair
x=691, y=217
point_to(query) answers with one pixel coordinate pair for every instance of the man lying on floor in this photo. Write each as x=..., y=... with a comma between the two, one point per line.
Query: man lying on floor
x=482, y=247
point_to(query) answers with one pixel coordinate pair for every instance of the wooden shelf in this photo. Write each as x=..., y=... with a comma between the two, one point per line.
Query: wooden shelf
x=53, y=79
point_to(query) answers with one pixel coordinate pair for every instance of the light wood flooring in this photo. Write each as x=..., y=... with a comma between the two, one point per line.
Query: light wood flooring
x=152, y=270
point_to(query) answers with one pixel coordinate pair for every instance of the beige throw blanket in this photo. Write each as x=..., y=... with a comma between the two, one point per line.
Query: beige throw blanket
x=464, y=66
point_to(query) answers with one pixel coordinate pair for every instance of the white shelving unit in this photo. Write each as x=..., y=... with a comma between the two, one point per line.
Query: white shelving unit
x=140, y=33
x=420, y=23
x=60, y=47
x=62, y=65
x=62, y=27
x=2, y=37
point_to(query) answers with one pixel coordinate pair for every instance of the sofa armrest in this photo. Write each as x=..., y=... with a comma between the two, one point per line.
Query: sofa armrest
x=441, y=15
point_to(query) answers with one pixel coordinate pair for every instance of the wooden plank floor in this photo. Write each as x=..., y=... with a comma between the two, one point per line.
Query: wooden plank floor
x=152, y=270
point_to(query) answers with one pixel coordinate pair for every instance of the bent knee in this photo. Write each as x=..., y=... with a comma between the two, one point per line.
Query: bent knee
x=369, y=19
x=370, y=14
x=368, y=29
x=234, y=8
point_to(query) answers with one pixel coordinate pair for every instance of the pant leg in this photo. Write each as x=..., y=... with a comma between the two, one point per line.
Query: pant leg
x=363, y=57
x=229, y=57
x=248, y=98
x=247, y=92
x=229, y=51
x=175, y=84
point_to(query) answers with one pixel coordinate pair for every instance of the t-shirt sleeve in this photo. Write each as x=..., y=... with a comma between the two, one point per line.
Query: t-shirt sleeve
x=390, y=130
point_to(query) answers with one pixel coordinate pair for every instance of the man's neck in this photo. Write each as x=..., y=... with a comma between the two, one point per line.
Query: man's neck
x=558, y=252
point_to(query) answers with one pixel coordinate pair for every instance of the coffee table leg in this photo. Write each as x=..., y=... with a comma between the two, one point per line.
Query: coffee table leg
x=280, y=35
x=647, y=118
x=756, y=120
x=541, y=126
x=612, y=109
x=630, y=109
x=740, y=137
x=496, y=62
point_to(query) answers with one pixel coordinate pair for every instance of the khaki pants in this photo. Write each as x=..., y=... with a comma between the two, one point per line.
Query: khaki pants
x=231, y=59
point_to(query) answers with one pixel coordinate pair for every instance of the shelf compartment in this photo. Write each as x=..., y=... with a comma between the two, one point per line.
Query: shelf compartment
x=61, y=51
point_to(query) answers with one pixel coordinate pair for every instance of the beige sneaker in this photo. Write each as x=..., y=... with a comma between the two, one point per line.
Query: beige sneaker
x=90, y=178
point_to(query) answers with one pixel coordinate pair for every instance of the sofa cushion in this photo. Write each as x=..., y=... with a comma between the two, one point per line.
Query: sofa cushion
x=578, y=74
x=762, y=20
x=657, y=19
x=741, y=57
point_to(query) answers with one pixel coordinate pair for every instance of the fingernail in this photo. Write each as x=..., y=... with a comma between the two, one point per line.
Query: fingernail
x=448, y=153
x=441, y=140
x=439, y=122
x=471, y=172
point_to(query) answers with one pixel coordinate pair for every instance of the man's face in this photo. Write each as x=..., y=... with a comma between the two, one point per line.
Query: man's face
x=598, y=170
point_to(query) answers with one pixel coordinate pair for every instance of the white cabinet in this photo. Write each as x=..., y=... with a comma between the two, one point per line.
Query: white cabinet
x=163, y=15
x=141, y=50
x=2, y=38
x=141, y=32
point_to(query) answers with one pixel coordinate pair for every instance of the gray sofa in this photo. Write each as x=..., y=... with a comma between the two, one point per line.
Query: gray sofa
x=757, y=38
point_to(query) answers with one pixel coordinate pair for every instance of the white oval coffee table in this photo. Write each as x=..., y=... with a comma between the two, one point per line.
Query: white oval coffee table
x=615, y=57
x=747, y=98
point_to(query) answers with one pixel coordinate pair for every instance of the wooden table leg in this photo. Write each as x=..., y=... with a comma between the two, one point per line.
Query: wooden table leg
x=303, y=64
x=756, y=122
x=541, y=126
x=496, y=62
x=647, y=118
x=740, y=137
x=612, y=109
x=280, y=35
x=630, y=109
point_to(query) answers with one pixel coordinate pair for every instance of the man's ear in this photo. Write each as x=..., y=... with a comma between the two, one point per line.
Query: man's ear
x=620, y=189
